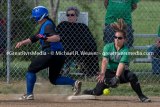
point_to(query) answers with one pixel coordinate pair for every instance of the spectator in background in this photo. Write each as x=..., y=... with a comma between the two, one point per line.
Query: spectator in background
x=155, y=49
x=158, y=39
x=76, y=37
x=119, y=9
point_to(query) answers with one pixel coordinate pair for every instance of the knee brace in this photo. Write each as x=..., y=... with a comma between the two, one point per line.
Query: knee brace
x=133, y=78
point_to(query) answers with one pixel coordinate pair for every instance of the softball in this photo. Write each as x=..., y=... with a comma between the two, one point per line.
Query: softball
x=106, y=91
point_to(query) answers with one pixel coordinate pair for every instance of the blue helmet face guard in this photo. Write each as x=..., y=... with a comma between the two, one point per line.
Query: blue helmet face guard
x=39, y=13
x=39, y=18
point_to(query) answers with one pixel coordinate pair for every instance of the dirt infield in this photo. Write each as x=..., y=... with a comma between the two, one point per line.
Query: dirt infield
x=52, y=100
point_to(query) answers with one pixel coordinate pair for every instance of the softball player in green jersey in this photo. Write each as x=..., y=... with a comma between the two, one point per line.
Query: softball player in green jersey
x=114, y=68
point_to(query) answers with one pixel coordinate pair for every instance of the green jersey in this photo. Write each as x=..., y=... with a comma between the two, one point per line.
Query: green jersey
x=119, y=9
x=115, y=57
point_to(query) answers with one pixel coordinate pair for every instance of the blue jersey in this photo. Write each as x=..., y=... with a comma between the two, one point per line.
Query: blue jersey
x=49, y=46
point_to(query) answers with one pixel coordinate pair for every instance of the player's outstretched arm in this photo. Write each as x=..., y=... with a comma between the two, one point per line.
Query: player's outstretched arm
x=24, y=42
x=120, y=69
x=53, y=38
x=101, y=76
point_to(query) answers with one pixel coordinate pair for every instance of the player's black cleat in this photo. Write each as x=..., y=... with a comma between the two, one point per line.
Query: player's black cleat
x=144, y=99
x=88, y=92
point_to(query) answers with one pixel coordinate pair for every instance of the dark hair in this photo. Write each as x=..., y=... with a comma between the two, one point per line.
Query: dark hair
x=120, y=26
x=75, y=9
x=49, y=19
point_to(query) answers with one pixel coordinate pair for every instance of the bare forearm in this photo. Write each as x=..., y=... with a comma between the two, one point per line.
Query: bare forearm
x=104, y=65
x=27, y=41
x=120, y=69
x=101, y=76
x=23, y=42
x=54, y=38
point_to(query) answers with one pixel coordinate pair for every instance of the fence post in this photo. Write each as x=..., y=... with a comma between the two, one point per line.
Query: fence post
x=8, y=38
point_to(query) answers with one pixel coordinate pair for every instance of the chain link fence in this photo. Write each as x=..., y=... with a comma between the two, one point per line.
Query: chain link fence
x=145, y=19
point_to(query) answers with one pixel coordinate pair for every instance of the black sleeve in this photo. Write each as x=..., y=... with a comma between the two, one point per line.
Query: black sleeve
x=50, y=30
x=33, y=39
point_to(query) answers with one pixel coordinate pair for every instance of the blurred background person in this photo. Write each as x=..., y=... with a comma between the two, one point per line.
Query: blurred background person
x=116, y=9
x=155, y=56
x=76, y=37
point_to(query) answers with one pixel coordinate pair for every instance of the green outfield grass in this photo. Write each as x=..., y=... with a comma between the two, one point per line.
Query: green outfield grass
x=45, y=87
x=146, y=17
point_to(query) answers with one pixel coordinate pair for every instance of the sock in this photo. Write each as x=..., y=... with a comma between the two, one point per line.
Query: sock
x=30, y=81
x=98, y=90
x=64, y=81
x=137, y=88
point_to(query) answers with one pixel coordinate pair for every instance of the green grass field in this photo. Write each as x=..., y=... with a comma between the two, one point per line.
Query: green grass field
x=43, y=86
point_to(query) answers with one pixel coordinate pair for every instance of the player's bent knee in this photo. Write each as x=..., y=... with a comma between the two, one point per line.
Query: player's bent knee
x=52, y=81
x=133, y=77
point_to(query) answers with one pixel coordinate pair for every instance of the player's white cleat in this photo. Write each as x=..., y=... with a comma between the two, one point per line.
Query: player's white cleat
x=77, y=87
x=144, y=99
x=27, y=97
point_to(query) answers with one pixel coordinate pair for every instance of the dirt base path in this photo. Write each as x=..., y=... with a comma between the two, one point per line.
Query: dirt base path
x=52, y=100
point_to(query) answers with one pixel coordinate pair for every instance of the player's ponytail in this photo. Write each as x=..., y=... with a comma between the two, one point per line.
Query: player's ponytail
x=119, y=26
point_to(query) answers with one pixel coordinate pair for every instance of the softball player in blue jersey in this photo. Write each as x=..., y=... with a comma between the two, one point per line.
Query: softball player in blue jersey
x=50, y=43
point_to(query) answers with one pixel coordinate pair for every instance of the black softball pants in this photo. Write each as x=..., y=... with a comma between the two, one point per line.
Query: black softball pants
x=125, y=77
x=54, y=62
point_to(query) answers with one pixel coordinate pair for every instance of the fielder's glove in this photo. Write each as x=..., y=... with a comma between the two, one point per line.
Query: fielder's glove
x=40, y=36
x=114, y=82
